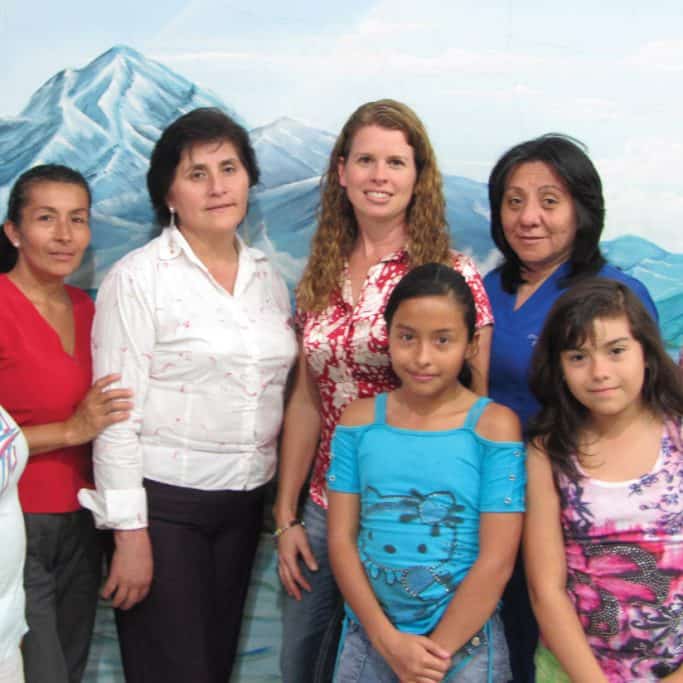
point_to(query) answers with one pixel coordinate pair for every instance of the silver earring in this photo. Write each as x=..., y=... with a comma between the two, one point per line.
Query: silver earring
x=172, y=221
x=15, y=245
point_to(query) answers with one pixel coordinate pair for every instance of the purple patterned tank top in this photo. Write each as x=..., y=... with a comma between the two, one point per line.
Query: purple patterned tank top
x=624, y=548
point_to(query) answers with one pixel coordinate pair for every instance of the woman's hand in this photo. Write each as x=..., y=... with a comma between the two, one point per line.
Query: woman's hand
x=100, y=408
x=130, y=574
x=290, y=545
x=414, y=659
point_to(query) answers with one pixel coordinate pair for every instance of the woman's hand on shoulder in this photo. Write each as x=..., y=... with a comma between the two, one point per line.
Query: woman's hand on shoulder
x=100, y=408
x=499, y=423
x=358, y=412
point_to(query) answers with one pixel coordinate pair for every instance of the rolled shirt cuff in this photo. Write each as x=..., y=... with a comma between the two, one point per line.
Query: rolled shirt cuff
x=116, y=508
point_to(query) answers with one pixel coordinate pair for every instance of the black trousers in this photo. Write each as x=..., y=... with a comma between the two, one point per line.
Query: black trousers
x=203, y=545
x=521, y=629
x=61, y=578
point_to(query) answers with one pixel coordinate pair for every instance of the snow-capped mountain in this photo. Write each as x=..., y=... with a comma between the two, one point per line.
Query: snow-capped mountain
x=104, y=119
x=662, y=274
x=289, y=151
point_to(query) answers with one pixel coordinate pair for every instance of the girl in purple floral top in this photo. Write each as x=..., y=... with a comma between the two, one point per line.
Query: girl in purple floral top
x=604, y=528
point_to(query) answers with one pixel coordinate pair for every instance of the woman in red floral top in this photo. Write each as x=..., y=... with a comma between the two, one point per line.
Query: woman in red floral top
x=382, y=213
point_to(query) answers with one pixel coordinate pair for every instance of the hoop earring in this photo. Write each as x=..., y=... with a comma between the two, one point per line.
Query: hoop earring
x=171, y=223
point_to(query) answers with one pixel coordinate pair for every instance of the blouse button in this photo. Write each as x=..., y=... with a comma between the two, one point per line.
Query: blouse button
x=331, y=477
x=518, y=453
x=512, y=477
x=476, y=641
x=508, y=500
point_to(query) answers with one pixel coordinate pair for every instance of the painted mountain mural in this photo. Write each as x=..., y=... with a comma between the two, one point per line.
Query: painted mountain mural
x=104, y=119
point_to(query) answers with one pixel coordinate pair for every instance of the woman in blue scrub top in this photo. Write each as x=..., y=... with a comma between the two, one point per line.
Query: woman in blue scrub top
x=547, y=215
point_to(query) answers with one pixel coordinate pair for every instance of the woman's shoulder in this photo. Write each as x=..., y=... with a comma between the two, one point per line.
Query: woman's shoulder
x=499, y=423
x=493, y=279
x=464, y=264
x=137, y=261
x=634, y=284
x=613, y=272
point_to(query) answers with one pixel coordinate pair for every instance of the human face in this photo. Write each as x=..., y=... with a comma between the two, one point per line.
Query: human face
x=607, y=373
x=379, y=175
x=428, y=344
x=54, y=230
x=539, y=222
x=210, y=190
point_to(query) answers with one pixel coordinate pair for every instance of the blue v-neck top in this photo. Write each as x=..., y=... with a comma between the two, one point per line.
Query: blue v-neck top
x=515, y=332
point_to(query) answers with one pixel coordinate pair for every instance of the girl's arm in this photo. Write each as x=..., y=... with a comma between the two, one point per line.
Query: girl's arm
x=546, y=569
x=411, y=657
x=478, y=594
x=301, y=431
x=480, y=362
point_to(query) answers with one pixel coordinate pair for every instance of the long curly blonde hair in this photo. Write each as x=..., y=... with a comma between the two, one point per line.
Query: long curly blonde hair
x=335, y=236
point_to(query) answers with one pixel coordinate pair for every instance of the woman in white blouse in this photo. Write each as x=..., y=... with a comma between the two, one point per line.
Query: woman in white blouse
x=198, y=325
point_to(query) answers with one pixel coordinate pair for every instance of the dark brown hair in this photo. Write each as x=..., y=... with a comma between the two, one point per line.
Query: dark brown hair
x=206, y=124
x=557, y=427
x=18, y=198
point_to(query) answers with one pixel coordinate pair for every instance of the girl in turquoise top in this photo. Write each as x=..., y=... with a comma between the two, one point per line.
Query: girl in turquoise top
x=426, y=494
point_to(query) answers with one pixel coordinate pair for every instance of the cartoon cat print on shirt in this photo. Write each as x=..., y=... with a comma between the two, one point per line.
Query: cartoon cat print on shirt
x=430, y=529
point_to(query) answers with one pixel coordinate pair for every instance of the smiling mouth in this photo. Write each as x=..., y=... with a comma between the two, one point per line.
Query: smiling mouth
x=376, y=194
x=421, y=377
x=220, y=207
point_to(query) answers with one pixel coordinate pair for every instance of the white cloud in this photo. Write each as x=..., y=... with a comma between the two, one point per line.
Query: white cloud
x=658, y=55
x=643, y=193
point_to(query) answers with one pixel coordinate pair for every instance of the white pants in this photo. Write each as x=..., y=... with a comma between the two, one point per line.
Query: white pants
x=12, y=668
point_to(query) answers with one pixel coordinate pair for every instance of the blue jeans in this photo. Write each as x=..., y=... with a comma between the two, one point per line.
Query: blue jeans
x=312, y=625
x=359, y=662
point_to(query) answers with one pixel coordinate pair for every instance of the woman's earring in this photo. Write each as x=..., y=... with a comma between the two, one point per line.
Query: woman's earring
x=172, y=221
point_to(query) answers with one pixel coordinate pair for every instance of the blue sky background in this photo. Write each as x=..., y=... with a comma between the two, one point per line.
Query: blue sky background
x=483, y=75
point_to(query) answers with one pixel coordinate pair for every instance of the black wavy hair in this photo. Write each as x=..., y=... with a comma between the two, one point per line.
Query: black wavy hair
x=566, y=157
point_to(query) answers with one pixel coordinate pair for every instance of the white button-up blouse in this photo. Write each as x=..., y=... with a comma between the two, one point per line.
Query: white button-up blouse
x=207, y=368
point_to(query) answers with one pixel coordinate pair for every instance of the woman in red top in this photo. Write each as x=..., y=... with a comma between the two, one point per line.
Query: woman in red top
x=382, y=213
x=45, y=384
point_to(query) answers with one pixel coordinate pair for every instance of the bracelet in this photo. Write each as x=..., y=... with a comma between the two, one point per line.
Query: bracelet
x=281, y=529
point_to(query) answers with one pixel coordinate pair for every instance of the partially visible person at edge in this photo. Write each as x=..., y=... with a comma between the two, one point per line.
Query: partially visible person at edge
x=199, y=325
x=382, y=213
x=603, y=535
x=547, y=215
x=13, y=457
x=45, y=385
